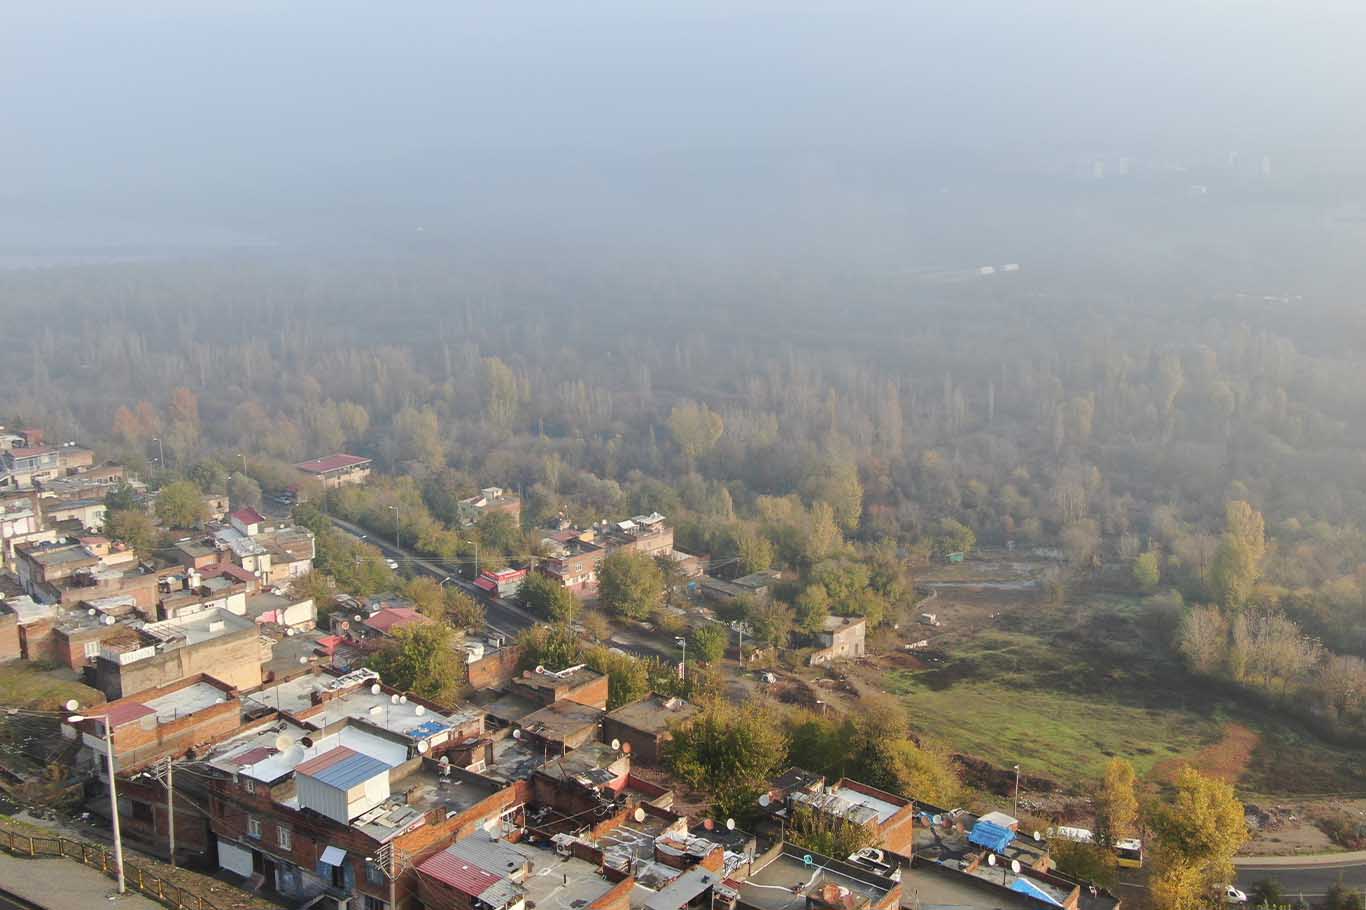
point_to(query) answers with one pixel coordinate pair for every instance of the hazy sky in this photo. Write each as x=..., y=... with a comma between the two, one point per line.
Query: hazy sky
x=181, y=99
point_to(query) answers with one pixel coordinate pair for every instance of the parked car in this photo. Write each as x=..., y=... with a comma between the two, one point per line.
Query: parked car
x=392, y=563
x=1233, y=896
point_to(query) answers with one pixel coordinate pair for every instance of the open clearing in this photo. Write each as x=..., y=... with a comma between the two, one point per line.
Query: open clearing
x=1061, y=690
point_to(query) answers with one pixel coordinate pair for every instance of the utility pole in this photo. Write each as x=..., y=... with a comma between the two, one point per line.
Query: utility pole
x=683, y=668
x=170, y=804
x=395, y=508
x=161, y=450
x=113, y=784
x=1017, y=791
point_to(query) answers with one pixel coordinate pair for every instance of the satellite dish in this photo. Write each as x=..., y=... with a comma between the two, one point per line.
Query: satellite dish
x=709, y=824
x=393, y=699
x=72, y=704
x=626, y=748
x=445, y=761
x=540, y=668
x=764, y=800
x=91, y=612
x=1015, y=866
x=419, y=710
x=808, y=860
x=374, y=690
x=283, y=742
x=730, y=824
x=616, y=745
x=403, y=699
x=991, y=859
x=1037, y=837
x=306, y=742
x=639, y=814
x=358, y=618
x=422, y=747
x=516, y=734
x=346, y=625
x=295, y=754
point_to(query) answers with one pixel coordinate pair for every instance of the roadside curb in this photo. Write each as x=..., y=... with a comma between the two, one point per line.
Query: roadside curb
x=1307, y=860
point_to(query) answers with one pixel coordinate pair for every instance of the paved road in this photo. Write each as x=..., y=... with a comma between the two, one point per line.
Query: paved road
x=1310, y=879
x=502, y=615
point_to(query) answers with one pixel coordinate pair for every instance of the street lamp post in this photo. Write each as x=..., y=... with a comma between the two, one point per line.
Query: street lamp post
x=683, y=673
x=395, y=510
x=161, y=452
x=113, y=792
x=244, y=462
x=1017, y=791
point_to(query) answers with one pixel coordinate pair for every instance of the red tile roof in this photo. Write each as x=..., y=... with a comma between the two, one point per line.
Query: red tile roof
x=394, y=618
x=21, y=452
x=248, y=516
x=120, y=714
x=331, y=463
x=461, y=874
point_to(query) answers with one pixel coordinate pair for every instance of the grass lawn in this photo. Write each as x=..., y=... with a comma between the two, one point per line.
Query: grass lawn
x=1063, y=691
x=23, y=685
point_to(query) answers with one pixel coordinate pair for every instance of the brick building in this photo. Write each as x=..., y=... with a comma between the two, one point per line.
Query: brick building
x=212, y=641
x=644, y=726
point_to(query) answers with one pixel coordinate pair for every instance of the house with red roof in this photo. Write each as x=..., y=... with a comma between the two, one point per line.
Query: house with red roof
x=247, y=521
x=337, y=470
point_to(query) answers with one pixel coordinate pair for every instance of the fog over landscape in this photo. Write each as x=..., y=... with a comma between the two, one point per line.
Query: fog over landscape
x=962, y=400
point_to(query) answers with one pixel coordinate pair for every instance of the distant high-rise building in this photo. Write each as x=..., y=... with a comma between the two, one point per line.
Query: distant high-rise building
x=1098, y=169
x=1125, y=165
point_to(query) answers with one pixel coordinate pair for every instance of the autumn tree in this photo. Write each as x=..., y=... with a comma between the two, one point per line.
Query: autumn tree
x=630, y=584
x=1203, y=640
x=1195, y=837
x=1116, y=803
x=696, y=428
x=133, y=527
x=709, y=642
x=425, y=659
x=730, y=752
x=812, y=607
x=954, y=537
x=549, y=599
x=181, y=505
x=1147, y=571
x=828, y=833
x=1238, y=560
x=243, y=491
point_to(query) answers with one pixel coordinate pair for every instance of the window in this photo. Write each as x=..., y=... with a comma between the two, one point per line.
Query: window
x=373, y=874
x=374, y=903
x=249, y=785
x=91, y=649
x=284, y=837
x=253, y=827
x=142, y=811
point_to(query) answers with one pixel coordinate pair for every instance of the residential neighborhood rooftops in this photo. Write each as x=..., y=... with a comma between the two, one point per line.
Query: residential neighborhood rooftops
x=330, y=463
x=561, y=720
x=389, y=619
x=786, y=881
x=248, y=516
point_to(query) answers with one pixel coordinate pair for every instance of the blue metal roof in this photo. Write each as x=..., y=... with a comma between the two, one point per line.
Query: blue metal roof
x=1026, y=887
x=427, y=729
x=342, y=768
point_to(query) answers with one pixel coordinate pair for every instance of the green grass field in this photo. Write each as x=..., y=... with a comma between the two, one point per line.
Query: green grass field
x=23, y=685
x=1062, y=691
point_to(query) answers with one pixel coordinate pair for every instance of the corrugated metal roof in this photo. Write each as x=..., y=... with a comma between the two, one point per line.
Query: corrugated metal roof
x=342, y=768
x=331, y=463
x=489, y=854
x=461, y=874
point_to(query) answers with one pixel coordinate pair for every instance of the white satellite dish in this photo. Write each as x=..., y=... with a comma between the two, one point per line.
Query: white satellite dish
x=283, y=742
x=1037, y=837
x=516, y=734
x=616, y=745
x=991, y=859
x=72, y=704
x=419, y=710
x=540, y=668
x=764, y=800
x=393, y=699
x=639, y=814
x=295, y=754
x=730, y=824
x=403, y=699
x=358, y=618
x=91, y=612
x=445, y=761
x=374, y=690
x=1015, y=866
x=422, y=747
